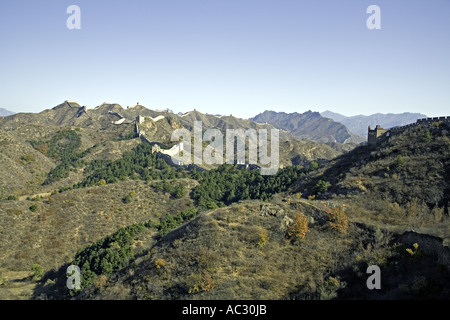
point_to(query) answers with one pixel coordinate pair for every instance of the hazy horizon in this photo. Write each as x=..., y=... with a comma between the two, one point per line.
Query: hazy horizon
x=228, y=57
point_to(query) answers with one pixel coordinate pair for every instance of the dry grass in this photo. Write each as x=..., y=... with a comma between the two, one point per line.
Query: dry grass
x=74, y=219
x=220, y=255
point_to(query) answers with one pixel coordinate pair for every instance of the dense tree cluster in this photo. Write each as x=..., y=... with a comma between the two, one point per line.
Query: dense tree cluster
x=171, y=222
x=129, y=136
x=113, y=252
x=138, y=163
x=177, y=191
x=228, y=184
x=108, y=254
x=217, y=188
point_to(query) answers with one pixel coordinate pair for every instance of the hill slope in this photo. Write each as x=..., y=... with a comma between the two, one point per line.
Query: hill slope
x=244, y=251
x=404, y=180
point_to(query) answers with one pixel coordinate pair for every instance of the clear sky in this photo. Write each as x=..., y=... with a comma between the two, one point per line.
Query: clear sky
x=237, y=57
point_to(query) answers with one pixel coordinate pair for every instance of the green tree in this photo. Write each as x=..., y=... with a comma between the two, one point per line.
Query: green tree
x=320, y=187
x=179, y=191
x=399, y=162
x=314, y=165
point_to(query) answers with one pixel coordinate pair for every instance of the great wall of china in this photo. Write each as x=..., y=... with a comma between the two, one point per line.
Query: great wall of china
x=374, y=134
x=165, y=152
x=162, y=150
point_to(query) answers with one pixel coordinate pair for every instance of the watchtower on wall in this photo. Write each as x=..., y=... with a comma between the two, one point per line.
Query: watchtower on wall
x=140, y=119
x=373, y=134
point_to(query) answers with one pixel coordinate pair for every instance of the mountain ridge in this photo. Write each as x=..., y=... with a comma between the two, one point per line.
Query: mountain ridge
x=310, y=126
x=5, y=113
x=358, y=124
x=100, y=128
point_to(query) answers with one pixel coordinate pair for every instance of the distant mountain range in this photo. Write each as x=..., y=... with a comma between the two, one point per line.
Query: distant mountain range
x=358, y=124
x=309, y=126
x=325, y=127
x=5, y=113
x=112, y=121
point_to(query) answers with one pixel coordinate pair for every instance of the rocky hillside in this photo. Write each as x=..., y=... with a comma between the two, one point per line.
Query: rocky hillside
x=309, y=126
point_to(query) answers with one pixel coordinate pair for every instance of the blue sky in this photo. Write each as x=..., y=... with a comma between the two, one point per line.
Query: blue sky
x=237, y=57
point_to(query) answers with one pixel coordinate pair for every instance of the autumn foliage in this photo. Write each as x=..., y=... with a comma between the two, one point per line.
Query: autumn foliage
x=299, y=228
x=338, y=220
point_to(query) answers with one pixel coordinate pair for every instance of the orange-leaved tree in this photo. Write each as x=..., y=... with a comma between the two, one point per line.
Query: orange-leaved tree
x=338, y=220
x=299, y=227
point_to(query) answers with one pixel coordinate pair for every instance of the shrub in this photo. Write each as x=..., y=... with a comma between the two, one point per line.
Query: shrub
x=160, y=263
x=11, y=212
x=299, y=227
x=328, y=290
x=314, y=165
x=33, y=207
x=427, y=135
x=338, y=220
x=263, y=237
x=100, y=281
x=320, y=187
x=27, y=158
x=437, y=124
x=37, y=271
x=399, y=162
x=127, y=199
x=11, y=198
x=415, y=252
x=197, y=282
